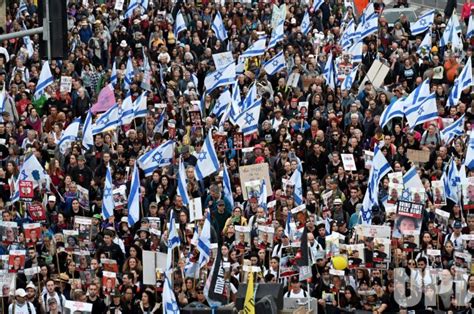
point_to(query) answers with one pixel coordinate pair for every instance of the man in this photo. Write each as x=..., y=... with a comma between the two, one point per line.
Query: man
x=98, y=305
x=53, y=306
x=21, y=305
x=82, y=174
x=31, y=296
x=32, y=258
x=295, y=290
x=111, y=249
x=52, y=294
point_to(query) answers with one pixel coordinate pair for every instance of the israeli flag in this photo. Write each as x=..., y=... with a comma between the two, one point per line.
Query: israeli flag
x=235, y=109
x=220, y=77
x=394, y=110
x=29, y=46
x=108, y=198
x=248, y=119
x=451, y=181
x=423, y=23
x=169, y=300
x=262, y=197
x=204, y=242
x=30, y=170
x=129, y=73
x=277, y=34
x=306, y=24
x=425, y=46
x=356, y=52
x=287, y=230
x=348, y=35
x=349, y=79
x=411, y=179
x=450, y=34
x=369, y=26
x=295, y=179
x=317, y=4
x=461, y=83
x=133, y=5
x=470, y=28
x=275, y=64
x=469, y=161
x=87, y=137
x=329, y=72
x=45, y=79
x=126, y=111
x=454, y=129
x=227, y=185
x=3, y=99
x=207, y=162
x=159, y=157
x=109, y=120
x=113, y=75
x=134, y=198
x=179, y=25
x=251, y=98
x=173, y=237
x=218, y=27
x=22, y=8
x=182, y=183
x=380, y=167
x=221, y=103
x=426, y=111
x=416, y=97
x=256, y=49
x=368, y=12
x=140, y=109
x=69, y=135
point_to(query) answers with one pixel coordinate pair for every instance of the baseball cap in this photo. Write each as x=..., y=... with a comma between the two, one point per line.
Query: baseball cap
x=457, y=224
x=51, y=198
x=20, y=293
x=337, y=201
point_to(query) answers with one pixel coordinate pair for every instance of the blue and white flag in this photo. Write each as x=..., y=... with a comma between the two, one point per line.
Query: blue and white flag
x=306, y=23
x=218, y=27
x=426, y=111
x=454, y=129
x=295, y=179
x=416, y=97
x=140, y=109
x=133, y=5
x=470, y=28
x=262, y=196
x=22, y=8
x=207, y=162
x=3, y=100
x=29, y=46
x=170, y=306
x=369, y=26
x=227, y=185
x=113, y=75
x=45, y=79
x=108, y=198
x=462, y=82
x=159, y=157
x=423, y=23
x=126, y=111
x=278, y=34
x=469, y=161
x=317, y=4
x=87, y=137
x=182, y=183
x=451, y=181
x=256, y=49
x=356, y=52
x=350, y=79
x=179, y=25
x=251, y=98
x=30, y=170
x=394, y=110
x=348, y=35
x=69, y=135
x=109, y=120
x=329, y=72
x=220, y=77
x=380, y=167
x=275, y=64
x=368, y=12
x=204, y=242
x=450, y=34
x=173, y=237
x=425, y=45
x=235, y=109
x=411, y=179
x=221, y=103
x=248, y=119
x=134, y=198
x=287, y=230
x=129, y=74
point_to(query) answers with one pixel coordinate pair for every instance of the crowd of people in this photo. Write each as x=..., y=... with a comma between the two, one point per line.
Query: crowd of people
x=303, y=174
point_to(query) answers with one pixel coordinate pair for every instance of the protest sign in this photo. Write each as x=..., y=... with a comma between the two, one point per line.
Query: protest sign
x=348, y=162
x=36, y=211
x=66, y=84
x=26, y=190
x=253, y=173
x=418, y=156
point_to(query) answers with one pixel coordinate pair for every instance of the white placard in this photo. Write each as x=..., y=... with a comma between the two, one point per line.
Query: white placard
x=221, y=60
x=195, y=209
x=373, y=231
x=442, y=213
x=119, y=5
x=433, y=252
x=298, y=209
x=271, y=204
x=326, y=196
x=468, y=237
x=348, y=162
x=267, y=229
x=243, y=229
x=80, y=307
x=253, y=269
x=336, y=272
x=66, y=84
x=32, y=271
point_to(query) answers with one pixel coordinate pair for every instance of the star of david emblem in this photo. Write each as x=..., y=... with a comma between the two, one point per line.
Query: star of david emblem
x=304, y=25
x=217, y=76
x=423, y=22
x=275, y=63
x=202, y=156
x=453, y=182
x=366, y=215
x=249, y=118
x=157, y=157
x=299, y=190
x=405, y=195
x=107, y=192
x=221, y=28
x=171, y=308
x=420, y=111
x=367, y=26
x=376, y=175
x=105, y=120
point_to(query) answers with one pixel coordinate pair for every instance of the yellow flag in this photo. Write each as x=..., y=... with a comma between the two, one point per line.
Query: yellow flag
x=249, y=305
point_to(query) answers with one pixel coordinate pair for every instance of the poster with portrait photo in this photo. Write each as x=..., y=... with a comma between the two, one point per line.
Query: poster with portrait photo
x=195, y=117
x=16, y=260
x=381, y=254
x=4, y=262
x=75, y=307
x=9, y=231
x=355, y=254
x=417, y=195
x=83, y=197
x=394, y=192
x=253, y=188
x=242, y=238
x=408, y=219
x=395, y=177
x=32, y=233
x=333, y=244
x=303, y=108
x=8, y=283
x=439, y=195
x=220, y=141
x=288, y=265
x=468, y=194
x=71, y=240
x=120, y=197
x=265, y=236
x=108, y=282
x=83, y=226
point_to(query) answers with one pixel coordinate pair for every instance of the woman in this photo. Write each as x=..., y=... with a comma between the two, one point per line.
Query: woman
x=132, y=263
x=350, y=302
x=147, y=304
x=55, y=172
x=235, y=219
x=447, y=253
